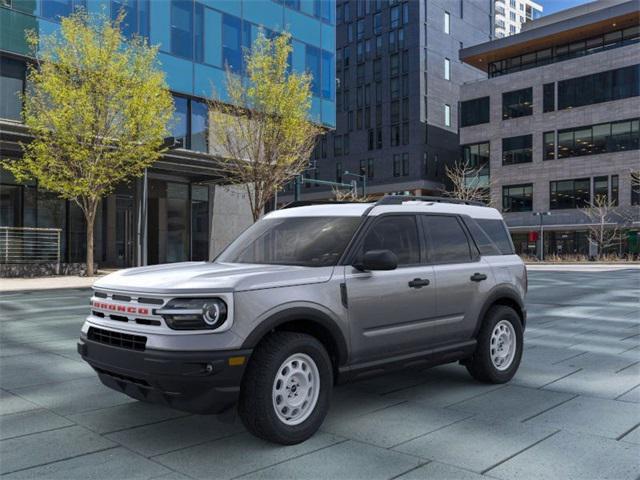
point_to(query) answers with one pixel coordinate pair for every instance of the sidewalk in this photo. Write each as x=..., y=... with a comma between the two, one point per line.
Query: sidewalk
x=47, y=283
x=583, y=267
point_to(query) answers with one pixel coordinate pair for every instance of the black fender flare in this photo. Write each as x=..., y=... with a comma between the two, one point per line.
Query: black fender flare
x=301, y=314
x=502, y=294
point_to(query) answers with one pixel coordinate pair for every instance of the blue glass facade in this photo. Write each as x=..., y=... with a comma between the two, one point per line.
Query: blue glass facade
x=198, y=38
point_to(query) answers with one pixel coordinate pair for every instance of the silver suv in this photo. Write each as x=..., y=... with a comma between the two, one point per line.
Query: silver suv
x=309, y=297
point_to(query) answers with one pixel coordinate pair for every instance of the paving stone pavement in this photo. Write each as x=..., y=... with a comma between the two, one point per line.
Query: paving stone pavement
x=571, y=412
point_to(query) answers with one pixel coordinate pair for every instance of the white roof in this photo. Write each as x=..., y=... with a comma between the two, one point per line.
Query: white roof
x=358, y=209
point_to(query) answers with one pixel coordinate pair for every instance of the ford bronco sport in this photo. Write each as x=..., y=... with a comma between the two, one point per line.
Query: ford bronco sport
x=309, y=297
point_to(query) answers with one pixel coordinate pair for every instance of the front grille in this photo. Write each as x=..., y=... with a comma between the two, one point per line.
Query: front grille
x=117, y=339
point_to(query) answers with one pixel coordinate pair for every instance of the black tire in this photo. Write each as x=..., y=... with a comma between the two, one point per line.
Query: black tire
x=256, y=407
x=480, y=365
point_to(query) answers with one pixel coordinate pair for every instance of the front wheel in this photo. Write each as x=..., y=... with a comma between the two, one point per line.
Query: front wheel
x=286, y=389
x=499, y=349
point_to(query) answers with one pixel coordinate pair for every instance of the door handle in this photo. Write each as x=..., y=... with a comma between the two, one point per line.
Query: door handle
x=419, y=283
x=478, y=277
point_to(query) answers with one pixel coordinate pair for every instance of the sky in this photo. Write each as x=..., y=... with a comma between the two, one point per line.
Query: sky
x=553, y=6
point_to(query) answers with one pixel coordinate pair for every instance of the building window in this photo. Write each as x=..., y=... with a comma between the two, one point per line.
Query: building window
x=601, y=187
x=378, y=138
x=339, y=172
x=635, y=188
x=395, y=135
x=474, y=112
x=12, y=80
x=477, y=156
x=312, y=63
x=371, y=140
x=518, y=103
x=405, y=133
x=231, y=42
x=328, y=75
x=549, y=97
x=182, y=28
x=136, y=20
x=447, y=69
x=394, y=65
x=394, y=112
x=394, y=17
x=370, y=170
x=396, y=166
x=602, y=138
x=180, y=122
x=517, y=198
x=377, y=23
x=53, y=10
x=199, y=126
x=345, y=144
x=405, y=164
x=337, y=145
x=549, y=145
x=570, y=193
x=447, y=23
x=558, y=53
x=599, y=87
x=447, y=115
x=517, y=150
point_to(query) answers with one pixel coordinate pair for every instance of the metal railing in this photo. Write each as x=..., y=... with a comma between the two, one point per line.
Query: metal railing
x=30, y=245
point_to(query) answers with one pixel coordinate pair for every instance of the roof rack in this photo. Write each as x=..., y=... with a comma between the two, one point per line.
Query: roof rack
x=307, y=203
x=399, y=199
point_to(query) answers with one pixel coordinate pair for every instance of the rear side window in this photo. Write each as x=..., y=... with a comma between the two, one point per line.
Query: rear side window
x=497, y=232
x=396, y=233
x=447, y=241
x=484, y=243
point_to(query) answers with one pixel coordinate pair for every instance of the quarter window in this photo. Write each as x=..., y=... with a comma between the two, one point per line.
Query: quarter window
x=447, y=241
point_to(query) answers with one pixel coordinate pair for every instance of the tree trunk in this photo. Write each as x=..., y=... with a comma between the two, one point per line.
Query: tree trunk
x=90, y=223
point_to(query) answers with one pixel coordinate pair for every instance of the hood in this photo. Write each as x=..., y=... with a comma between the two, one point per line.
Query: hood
x=204, y=277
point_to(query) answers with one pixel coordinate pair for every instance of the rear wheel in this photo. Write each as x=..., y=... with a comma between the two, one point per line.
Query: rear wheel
x=286, y=389
x=499, y=349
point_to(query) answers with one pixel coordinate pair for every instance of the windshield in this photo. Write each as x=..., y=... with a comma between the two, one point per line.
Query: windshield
x=303, y=241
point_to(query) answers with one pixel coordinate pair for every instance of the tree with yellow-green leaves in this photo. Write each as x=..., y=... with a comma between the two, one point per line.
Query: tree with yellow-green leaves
x=261, y=132
x=98, y=108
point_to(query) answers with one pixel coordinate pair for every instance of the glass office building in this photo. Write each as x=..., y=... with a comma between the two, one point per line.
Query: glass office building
x=166, y=216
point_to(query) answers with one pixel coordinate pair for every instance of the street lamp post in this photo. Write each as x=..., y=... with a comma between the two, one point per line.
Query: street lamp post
x=541, y=215
x=361, y=177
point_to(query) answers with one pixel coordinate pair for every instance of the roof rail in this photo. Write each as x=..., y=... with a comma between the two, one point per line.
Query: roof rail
x=307, y=203
x=399, y=199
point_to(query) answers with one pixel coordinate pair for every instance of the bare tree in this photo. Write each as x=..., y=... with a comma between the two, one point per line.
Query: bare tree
x=341, y=195
x=606, y=222
x=468, y=183
x=261, y=131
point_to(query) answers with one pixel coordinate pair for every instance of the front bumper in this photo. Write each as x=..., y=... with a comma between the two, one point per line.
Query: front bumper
x=197, y=382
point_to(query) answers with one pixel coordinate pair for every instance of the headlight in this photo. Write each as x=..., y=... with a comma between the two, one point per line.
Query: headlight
x=194, y=313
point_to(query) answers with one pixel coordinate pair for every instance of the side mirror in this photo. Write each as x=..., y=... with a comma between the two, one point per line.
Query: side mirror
x=377, y=260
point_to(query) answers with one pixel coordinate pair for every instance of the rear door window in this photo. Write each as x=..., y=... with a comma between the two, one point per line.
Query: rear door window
x=448, y=242
x=482, y=240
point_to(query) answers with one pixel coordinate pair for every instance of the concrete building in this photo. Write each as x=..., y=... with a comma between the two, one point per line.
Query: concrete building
x=556, y=121
x=175, y=212
x=398, y=79
x=510, y=15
